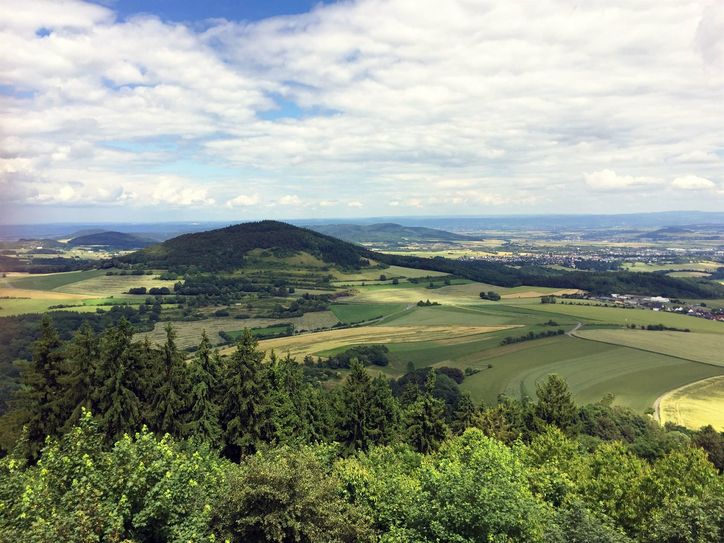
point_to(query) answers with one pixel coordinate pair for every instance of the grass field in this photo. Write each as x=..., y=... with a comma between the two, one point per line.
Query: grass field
x=592, y=369
x=620, y=316
x=114, y=285
x=390, y=272
x=51, y=281
x=696, y=265
x=688, y=274
x=322, y=342
x=352, y=313
x=11, y=307
x=189, y=332
x=695, y=405
x=700, y=347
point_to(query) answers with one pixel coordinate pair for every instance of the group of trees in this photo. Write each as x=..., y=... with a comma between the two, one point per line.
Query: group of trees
x=127, y=441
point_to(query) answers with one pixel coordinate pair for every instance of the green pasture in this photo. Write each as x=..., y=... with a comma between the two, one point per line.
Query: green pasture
x=20, y=306
x=591, y=369
x=621, y=316
x=351, y=313
x=708, y=348
x=52, y=281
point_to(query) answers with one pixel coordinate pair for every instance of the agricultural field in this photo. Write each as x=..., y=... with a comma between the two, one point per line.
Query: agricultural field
x=707, y=348
x=695, y=265
x=372, y=274
x=349, y=313
x=695, y=405
x=189, y=332
x=114, y=285
x=48, y=281
x=323, y=342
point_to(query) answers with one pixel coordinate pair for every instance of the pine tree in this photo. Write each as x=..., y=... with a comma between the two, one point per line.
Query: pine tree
x=384, y=418
x=43, y=397
x=426, y=427
x=203, y=417
x=286, y=400
x=81, y=374
x=467, y=415
x=169, y=403
x=555, y=404
x=118, y=404
x=245, y=404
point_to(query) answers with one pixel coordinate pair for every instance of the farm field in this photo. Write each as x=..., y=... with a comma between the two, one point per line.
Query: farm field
x=114, y=285
x=359, y=312
x=389, y=272
x=322, y=342
x=708, y=348
x=49, y=281
x=189, y=332
x=695, y=405
x=700, y=265
x=620, y=316
x=591, y=369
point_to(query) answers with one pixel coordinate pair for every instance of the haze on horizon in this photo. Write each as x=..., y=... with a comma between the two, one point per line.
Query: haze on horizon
x=159, y=111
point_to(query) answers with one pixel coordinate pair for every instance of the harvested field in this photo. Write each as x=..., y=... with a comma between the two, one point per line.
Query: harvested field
x=695, y=405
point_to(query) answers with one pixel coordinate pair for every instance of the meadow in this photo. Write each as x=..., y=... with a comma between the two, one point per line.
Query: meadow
x=695, y=405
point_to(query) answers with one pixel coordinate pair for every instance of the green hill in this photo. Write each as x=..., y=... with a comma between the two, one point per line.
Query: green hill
x=114, y=240
x=226, y=248
x=388, y=233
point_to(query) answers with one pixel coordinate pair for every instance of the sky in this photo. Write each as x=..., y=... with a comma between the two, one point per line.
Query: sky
x=168, y=110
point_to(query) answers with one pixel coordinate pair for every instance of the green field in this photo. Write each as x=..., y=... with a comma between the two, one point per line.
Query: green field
x=694, y=265
x=708, y=348
x=352, y=313
x=114, y=285
x=591, y=369
x=51, y=281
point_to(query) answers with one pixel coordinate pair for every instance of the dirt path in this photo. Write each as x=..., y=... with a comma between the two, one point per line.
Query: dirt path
x=572, y=331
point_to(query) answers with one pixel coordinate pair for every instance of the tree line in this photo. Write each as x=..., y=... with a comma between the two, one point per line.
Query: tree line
x=124, y=440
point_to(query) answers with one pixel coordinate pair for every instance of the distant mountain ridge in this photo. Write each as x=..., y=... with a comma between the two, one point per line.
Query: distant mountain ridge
x=388, y=233
x=115, y=240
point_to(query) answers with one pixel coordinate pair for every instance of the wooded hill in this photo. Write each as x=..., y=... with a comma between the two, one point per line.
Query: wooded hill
x=225, y=249
x=387, y=233
x=115, y=240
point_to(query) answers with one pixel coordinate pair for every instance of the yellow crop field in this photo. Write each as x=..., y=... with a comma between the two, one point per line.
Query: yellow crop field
x=300, y=345
x=701, y=347
x=40, y=294
x=695, y=405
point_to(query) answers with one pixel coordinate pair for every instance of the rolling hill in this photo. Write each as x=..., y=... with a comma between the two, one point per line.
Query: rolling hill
x=226, y=249
x=115, y=240
x=387, y=233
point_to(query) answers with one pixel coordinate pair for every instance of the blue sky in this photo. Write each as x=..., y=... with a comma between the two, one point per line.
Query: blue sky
x=179, y=110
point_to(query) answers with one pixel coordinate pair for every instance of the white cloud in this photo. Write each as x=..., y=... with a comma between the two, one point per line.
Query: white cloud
x=609, y=180
x=692, y=182
x=290, y=200
x=355, y=204
x=244, y=200
x=413, y=104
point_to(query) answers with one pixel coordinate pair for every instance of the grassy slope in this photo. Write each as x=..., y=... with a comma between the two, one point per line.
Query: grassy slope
x=52, y=281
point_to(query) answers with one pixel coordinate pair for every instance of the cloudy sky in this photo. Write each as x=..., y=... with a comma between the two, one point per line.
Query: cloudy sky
x=177, y=109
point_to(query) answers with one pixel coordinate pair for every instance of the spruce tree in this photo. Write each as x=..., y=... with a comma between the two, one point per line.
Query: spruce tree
x=555, y=404
x=169, y=403
x=384, y=418
x=426, y=427
x=467, y=414
x=203, y=416
x=80, y=378
x=43, y=396
x=118, y=404
x=286, y=402
x=245, y=404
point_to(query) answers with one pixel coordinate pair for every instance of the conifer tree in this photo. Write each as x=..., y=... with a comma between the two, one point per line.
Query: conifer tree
x=467, y=415
x=555, y=404
x=384, y=419
x=245, y=404
x=426, y=427
x=43, y=395
x=169, y=401
x=118, y=404
x=203, y=417
x=287, y=402
x=80, y=378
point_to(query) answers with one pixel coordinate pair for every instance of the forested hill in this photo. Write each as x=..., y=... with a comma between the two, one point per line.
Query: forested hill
x=226, y=248
x=387, y=233
x=116, y=240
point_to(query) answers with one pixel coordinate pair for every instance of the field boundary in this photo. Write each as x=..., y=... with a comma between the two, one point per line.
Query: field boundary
x=572, y=334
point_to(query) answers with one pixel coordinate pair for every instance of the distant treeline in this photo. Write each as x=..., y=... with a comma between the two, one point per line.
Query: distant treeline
x=530, y=336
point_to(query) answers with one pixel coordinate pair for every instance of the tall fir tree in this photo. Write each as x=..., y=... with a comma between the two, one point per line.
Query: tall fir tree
x=555, y=404
x=426, y=427
x=169, y=401
x=245, y=405
x=118, y=404
x=80, y=378
x=467, y=415
x=202, y=421
x=42, y=395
